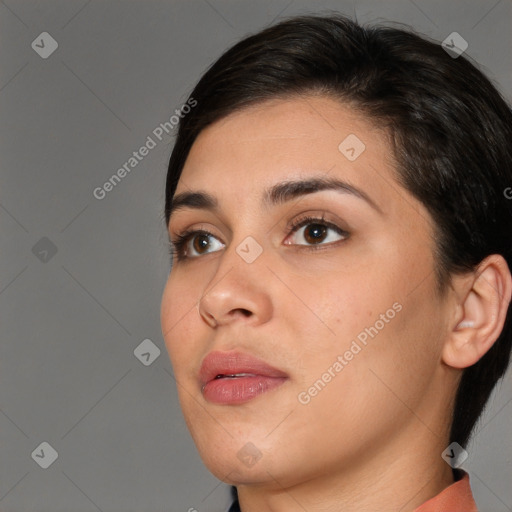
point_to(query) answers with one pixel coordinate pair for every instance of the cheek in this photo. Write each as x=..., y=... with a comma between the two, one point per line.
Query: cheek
x=400, y=354
x=341, y=307
x=379, y=328
x=334, y=330
x=366, y=390
x=178, y=311
x=178, y=316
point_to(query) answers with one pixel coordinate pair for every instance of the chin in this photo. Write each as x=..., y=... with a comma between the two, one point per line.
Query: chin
x=234, y=467
x=236, y=459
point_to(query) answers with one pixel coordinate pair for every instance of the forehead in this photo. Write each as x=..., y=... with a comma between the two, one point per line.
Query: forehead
x=282, y=139
x=278, y=130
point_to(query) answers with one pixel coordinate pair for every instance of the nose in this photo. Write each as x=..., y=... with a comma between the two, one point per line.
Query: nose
x=236, y=293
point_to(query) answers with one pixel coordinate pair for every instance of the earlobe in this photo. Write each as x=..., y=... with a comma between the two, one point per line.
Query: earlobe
x=483, y=308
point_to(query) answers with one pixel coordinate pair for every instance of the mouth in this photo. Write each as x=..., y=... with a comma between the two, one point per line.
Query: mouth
x=235, y=378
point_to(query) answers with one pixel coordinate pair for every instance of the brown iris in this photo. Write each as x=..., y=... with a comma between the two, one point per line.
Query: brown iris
x=200, y=242
x=315, y=233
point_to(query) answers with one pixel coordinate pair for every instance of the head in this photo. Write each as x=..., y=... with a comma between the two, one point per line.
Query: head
x=404, y=272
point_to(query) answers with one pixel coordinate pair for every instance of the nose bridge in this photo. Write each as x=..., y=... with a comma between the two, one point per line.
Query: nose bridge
x=243, y=257
x=237, y=284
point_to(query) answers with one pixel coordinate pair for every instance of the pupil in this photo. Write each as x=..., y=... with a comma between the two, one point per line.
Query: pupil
x=200, y=242
x=315, y=233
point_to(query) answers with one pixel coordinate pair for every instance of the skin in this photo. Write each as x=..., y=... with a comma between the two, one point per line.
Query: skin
x=372, y=438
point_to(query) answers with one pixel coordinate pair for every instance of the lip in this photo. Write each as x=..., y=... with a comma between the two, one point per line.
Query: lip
x=255, y=377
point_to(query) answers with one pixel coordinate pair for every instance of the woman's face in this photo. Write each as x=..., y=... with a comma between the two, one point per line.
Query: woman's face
x=342, y=306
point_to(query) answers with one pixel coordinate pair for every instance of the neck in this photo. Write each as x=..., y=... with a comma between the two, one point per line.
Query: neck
x=401, y=476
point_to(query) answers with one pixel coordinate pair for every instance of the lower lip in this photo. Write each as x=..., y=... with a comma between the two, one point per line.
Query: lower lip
x=237, y=390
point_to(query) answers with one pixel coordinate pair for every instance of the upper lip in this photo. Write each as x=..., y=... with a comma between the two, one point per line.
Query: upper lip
x=231, y=363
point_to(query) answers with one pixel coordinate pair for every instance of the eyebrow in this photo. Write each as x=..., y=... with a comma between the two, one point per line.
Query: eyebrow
x=277, y=194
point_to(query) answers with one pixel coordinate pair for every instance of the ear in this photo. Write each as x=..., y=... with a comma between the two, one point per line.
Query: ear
x=483, y=299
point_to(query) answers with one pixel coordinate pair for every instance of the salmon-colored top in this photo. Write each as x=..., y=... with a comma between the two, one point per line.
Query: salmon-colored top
x=455, y=498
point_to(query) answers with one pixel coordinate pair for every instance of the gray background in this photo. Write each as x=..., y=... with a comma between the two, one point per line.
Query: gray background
x=70, y=321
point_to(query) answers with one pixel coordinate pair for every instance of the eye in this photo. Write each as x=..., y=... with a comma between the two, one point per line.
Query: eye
x=315, y=231
x=305, y=231
x=192, y=244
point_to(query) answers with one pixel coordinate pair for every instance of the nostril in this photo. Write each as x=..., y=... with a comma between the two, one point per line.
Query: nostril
x=244, y=312
x=208, y=317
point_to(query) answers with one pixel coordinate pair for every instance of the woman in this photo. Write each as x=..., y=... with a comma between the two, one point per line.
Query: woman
x=337, y=312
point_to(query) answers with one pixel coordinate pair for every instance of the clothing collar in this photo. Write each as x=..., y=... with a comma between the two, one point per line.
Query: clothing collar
x=457, y=497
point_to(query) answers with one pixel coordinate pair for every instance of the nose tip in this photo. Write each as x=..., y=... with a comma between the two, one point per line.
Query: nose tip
x=235, y=297
x=232, y=314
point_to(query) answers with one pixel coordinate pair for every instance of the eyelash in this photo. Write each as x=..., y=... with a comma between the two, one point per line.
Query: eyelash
x=179, y=242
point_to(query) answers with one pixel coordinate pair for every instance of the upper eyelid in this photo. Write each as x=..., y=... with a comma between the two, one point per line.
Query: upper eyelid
x=180, y=232
x=293, y=224
x=312, y=219
x=313, y=214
